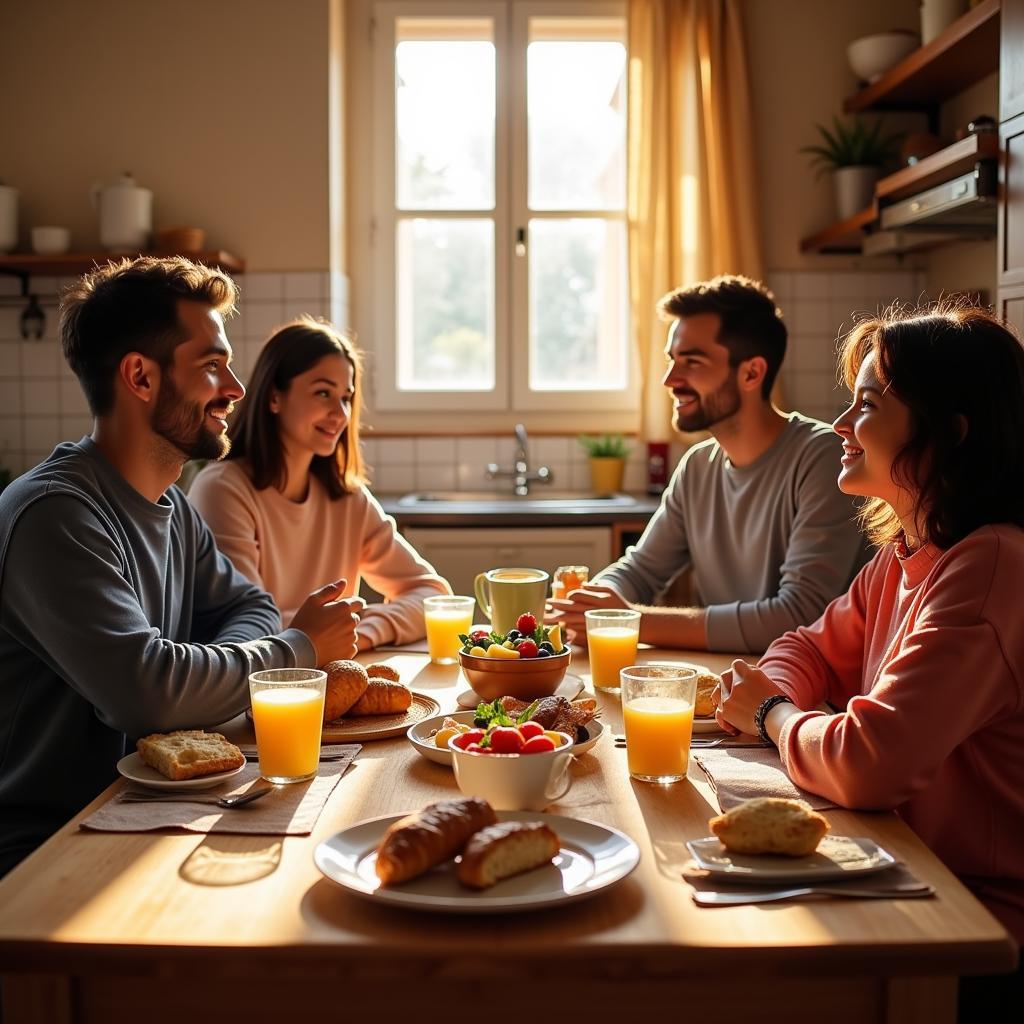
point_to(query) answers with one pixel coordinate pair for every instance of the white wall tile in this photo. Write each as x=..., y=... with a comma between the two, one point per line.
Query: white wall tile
x=42, y=433
x=11, y=435
x=303, y=285
x=476, y=451
x=10, y=360
x=73, y=428
x=9, y=323
x=436, y=476
x=262, y=318
x=261, y=286
x=294, y=308
x=40, y=397
x=72, y=398
x=810, y=285
x=546, y=450
x=40, y=359
x=396, y=450
x=435, y=450
x=394, y=477
x=9, y=285
x=10, y=398
x=811, y=317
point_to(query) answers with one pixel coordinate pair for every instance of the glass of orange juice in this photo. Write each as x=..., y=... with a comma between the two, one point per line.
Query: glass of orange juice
x=568, y=578
x=447, y=617
x=612, y=636
x=657, y=712
x=288, y=714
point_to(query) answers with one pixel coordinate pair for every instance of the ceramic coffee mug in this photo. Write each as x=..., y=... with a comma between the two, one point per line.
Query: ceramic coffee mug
x=504, y=594
x=514, y=782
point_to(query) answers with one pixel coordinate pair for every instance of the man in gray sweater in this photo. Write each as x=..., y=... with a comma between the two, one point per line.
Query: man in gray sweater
x=118, y=615
x=755, y=510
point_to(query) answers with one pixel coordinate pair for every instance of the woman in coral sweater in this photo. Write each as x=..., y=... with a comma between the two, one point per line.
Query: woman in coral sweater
x=923, y=658
x=289, y=505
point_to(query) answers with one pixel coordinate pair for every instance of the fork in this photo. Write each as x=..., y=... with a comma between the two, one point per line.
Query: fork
x=910, y=890
x=138, y=796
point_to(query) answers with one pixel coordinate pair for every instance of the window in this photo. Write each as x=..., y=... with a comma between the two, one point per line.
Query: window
x=498, y=190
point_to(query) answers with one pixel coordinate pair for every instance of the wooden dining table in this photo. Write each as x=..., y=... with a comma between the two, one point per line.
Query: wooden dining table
x=175, y=926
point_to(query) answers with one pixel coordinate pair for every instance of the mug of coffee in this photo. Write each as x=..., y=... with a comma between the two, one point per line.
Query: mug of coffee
x=504, y=594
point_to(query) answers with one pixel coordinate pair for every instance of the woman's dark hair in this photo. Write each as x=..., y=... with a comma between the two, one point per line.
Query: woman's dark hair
x=131, y=305
x=750, y=322
x=960, y=371
x=254, y=433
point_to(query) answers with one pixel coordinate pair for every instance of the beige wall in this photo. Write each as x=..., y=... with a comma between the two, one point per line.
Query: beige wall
x=219, y=106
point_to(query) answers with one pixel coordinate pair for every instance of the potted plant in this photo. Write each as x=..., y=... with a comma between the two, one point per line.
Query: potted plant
x=855, y=154
x=607, y=455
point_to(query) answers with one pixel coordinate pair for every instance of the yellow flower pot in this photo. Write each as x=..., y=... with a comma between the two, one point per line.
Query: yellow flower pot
x=606, y=475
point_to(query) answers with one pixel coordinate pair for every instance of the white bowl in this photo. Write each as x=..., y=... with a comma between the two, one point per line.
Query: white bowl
x=47, y=241
x=871, y=56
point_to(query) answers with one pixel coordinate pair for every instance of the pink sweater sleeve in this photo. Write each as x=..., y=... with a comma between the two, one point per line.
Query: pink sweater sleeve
x=392, y=567
x=941, y=677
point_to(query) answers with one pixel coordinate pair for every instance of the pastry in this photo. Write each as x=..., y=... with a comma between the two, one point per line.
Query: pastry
x=383, y=671
x=555, y=713
x=769, y=824
x=506, y=849
x=382, y=697
x=346, y=683
x=705, y=705
x=416, y=843
x=189, y=753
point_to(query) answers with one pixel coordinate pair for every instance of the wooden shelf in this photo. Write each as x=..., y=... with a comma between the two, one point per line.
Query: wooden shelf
x=67, y=264
x=947, y=163
x=965, y=52
x=844, y=236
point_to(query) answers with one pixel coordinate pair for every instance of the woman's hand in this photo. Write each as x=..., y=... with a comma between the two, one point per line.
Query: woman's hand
x=743, y=688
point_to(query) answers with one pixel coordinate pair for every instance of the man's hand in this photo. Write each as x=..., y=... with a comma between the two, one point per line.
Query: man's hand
x=743, y=688
x=330, y=622
x=569, y=611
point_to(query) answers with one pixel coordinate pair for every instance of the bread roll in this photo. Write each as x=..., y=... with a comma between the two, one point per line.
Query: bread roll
x=346, y=683
x=706, y=705
x=416, y=843
x=506, y=849
x=769, y=824
x=382, y=697
x=189, y=753
x=383, y=671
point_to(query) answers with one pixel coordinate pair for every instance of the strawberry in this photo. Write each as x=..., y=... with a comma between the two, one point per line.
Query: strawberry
x=526, y=624
x=527, y=649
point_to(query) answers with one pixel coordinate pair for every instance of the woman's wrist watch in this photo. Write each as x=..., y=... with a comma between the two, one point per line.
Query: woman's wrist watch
x=762, y=713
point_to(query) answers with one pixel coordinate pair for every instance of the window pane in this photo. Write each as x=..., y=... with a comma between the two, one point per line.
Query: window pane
x=444, y=122
x=578, y=311
x=577, y=125
x=445, y=279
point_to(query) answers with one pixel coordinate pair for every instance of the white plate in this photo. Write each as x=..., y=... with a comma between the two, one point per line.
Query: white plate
x=705, y=725
x=836, y=857
x=570, y=687
x=420, y=736
x=133, y=767
x=592, y=857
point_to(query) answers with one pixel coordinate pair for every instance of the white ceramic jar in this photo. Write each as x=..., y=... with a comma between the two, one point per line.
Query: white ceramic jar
x=126, y=214
x=8, y=218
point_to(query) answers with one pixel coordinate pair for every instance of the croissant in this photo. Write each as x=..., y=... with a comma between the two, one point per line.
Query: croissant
x=346, y=683
x=382, y=697
x=416, y=843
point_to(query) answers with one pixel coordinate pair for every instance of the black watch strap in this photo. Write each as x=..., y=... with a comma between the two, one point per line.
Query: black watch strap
x=762, y=713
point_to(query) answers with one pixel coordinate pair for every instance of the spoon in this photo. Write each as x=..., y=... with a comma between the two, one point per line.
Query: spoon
x=136, y=796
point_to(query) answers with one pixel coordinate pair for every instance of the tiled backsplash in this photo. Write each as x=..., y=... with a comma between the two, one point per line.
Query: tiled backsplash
x=42, y=404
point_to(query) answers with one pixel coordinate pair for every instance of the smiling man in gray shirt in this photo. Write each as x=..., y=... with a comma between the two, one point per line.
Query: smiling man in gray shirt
x=755, y=511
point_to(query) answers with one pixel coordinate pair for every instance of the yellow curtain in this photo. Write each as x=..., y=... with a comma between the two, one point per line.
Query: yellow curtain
x=692, y=205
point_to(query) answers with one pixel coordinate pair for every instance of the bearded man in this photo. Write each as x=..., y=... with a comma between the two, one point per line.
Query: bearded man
x=754, y=511
x=118, y=615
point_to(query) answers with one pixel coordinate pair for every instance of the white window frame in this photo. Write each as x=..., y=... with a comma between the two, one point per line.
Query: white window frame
x=376, y=291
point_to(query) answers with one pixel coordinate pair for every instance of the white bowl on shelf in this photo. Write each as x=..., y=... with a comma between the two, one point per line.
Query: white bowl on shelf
x=871, y=56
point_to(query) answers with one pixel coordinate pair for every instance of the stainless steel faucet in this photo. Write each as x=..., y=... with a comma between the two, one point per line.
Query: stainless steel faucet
x=520, y=472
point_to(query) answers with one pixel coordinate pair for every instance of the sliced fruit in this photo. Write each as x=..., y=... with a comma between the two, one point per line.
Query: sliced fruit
x=555, y=637
x=538, y=745
x=442, y=736
x=531, y=729
x=479, y=652
x=500, y=651
x=506, y=739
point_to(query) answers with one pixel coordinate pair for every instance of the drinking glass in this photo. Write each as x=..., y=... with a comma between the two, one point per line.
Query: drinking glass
x=657, y=713
x=446, y=617
x=568, y=578
x=288, y=715
x=612, y=636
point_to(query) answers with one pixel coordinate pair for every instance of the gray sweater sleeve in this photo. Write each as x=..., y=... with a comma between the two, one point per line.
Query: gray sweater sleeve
x=663, y=550
x=70, y=600
x=824, y=551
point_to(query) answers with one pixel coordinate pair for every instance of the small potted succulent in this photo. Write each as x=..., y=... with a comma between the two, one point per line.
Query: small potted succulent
x=607, y=454
x=855, y=154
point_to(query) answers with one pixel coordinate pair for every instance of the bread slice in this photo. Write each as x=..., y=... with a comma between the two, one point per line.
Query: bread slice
x=505, y=849
x=189, y=753
x=769, y=824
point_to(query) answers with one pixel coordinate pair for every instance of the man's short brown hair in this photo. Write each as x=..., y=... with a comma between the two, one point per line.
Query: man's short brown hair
x=131, y=305
x=751, y=323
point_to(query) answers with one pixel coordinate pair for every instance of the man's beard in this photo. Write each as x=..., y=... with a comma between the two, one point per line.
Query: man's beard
x=717, y=406
x=183, y=424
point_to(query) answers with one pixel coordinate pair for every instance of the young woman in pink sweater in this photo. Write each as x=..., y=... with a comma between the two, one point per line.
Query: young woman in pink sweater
x=289, y=505
x=923, y=658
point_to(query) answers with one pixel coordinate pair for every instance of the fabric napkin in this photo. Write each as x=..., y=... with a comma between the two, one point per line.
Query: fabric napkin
x=896, y=877
x=289, y=811
x=740, y=773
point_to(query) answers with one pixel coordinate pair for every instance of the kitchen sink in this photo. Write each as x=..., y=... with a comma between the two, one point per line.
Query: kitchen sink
x=539, y=498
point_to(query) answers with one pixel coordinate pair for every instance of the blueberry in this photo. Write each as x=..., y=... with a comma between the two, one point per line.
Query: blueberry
x=547, y=646
x=513, y=634
x=543, y=654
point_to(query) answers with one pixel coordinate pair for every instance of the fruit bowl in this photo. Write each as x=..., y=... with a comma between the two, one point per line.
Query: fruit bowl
x=524, y=678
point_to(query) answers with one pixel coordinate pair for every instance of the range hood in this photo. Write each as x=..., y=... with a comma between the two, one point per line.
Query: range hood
x=961, y=206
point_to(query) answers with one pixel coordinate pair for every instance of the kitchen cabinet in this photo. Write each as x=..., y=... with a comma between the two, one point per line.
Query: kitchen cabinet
x=459, y=554
x=964, y=53
x=1010, y=283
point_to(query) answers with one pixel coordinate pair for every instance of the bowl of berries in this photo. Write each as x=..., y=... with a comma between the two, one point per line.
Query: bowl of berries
x=526, y=663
